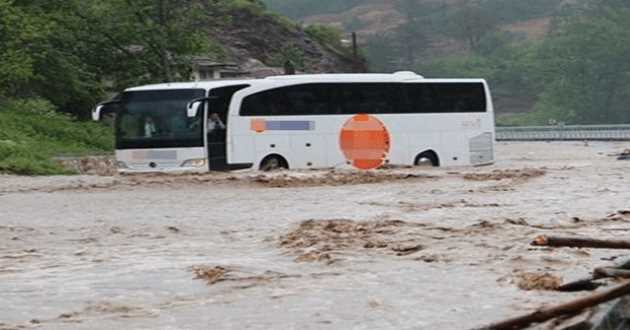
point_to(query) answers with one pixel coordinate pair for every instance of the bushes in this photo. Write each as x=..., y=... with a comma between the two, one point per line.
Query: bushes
x=31, y=133
x=302, y=8
x=324, y=34
x=328, y=36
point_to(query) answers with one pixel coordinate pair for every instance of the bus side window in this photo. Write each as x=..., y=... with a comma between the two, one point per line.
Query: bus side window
x=350, y=98
x=454, y=97
x=335, y=94
x=277, y=103
x=432, y=98
x=319, y=99
x=254, y=105
x=378, y=98
x=409, y=98
x=421, y=98
x=306, y=99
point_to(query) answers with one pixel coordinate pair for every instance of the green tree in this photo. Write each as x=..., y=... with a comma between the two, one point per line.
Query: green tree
x=379, y=54
x=18, y=33
x=72, y=52
x=412, y=35
x=470, y=24
x=155, y=37
x=585, y=69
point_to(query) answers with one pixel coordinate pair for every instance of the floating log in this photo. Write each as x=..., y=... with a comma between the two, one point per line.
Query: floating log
x=553, y=241
x=605, y=272
x=585, y=284
x=547, y=313
x=589, y=284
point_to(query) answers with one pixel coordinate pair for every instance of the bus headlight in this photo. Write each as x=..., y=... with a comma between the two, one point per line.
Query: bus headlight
x=120, y=164
x=194, y=163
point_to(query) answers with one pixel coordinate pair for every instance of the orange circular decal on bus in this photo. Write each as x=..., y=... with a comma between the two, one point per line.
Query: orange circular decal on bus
x=365, y=142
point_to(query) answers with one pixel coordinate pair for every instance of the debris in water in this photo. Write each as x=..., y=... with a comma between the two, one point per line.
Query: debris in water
x=497, y=175
x=538, y=281
x=173, y=229
x=322, y=240
x=403, y=250
x=68, y=315
x=315, y=256
x=244, y=280
x=334, y=178
x=211, y=275
x=619, y=215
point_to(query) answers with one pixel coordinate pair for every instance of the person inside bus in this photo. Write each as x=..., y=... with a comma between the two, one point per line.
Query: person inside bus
x=214, y=123
x=149, y=127
x=178, y=123
x=216, y=131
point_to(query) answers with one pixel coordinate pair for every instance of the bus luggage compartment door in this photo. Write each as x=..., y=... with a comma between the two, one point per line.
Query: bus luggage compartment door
x=309, y=151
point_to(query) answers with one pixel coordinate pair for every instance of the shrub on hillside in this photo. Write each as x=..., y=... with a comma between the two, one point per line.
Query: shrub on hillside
x=32, y=133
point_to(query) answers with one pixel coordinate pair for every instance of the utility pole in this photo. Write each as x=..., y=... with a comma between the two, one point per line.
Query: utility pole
x=289, y=67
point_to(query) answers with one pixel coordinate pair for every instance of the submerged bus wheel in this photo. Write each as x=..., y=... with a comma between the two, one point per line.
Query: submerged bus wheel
x=365, y=142
x=273, y=162
x=428, y=159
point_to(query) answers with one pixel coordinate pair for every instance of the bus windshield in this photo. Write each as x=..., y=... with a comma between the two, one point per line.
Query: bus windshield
x=158, y=119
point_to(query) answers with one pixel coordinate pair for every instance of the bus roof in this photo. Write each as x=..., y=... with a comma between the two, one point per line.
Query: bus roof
x=190, y=85
x=404, y=76
x=351, y=77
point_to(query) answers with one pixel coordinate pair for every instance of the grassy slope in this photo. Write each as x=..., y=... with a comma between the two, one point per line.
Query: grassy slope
x=31, y=133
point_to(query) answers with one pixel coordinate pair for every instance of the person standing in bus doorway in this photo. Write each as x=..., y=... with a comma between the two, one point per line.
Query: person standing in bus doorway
x=216, y=139
x=149, y=127
x=215, y=124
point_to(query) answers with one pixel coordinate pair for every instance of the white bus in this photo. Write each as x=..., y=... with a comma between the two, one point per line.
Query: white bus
x=362, y=121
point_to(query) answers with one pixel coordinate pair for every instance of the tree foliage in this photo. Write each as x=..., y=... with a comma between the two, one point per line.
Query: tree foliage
x=301, y=8
x=585, y=69
x=19, y=33
x=72, y=52
x=578, y=74
x=470, y=24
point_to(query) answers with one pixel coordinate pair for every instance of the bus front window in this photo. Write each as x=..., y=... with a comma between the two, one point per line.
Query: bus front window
x=157, y=119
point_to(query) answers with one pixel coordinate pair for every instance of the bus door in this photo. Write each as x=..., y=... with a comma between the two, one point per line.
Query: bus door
x=217, y=120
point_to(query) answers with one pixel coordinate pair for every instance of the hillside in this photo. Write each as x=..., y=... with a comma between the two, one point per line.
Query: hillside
x=57, y=62
x=372, y=17
x=32, y=134
x=446, y=38
x=257, y=39
x=377, y=16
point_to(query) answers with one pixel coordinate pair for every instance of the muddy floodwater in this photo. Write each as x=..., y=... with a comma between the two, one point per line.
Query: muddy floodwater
x=399, y=248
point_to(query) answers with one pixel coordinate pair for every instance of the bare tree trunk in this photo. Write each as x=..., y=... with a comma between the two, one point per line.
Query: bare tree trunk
x=553, y=241
x=611, y=272
x=547, y=313
x=589, y=284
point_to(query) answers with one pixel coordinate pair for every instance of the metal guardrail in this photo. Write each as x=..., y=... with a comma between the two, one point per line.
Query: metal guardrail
x=564, y=133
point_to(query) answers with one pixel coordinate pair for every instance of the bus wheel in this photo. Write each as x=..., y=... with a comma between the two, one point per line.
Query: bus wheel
x=427, y=159
x=273, y=163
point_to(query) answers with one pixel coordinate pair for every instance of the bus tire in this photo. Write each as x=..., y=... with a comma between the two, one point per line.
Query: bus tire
x=427, y=158
x=273, y=163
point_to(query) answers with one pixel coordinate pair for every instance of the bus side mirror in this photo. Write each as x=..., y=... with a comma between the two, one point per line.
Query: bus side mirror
x=193, y=108
x=103, y=108
x=96, y=113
